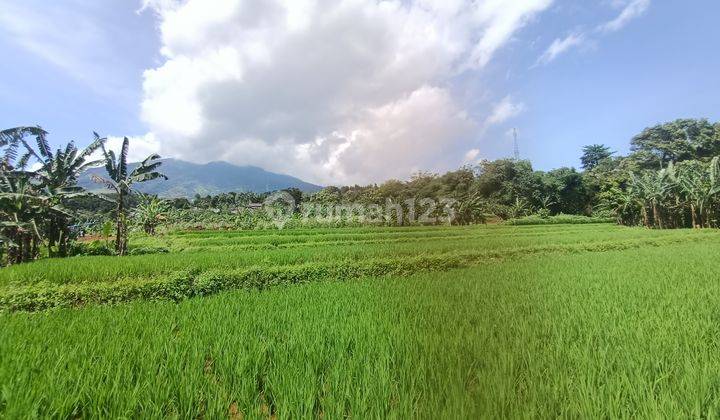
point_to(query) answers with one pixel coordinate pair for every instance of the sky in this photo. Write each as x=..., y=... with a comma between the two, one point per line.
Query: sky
x=357, y=91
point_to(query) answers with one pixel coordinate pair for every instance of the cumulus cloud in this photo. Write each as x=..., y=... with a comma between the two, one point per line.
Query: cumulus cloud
x=334, y=91
x=140, y=146
x=503, y=111
x=560, y=46
x=471, y=156
x=631, y=9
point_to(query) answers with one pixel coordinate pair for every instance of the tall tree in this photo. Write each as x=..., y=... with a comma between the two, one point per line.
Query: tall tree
x=567, y=189
x=675, y=141
x=120, y=180
x=593, y=155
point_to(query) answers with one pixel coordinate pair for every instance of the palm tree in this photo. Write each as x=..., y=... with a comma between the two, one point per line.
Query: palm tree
x=120, y=181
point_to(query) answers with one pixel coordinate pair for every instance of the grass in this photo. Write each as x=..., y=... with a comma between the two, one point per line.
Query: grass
x=598, y=321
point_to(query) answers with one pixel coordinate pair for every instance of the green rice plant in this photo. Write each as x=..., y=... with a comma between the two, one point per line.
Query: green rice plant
x=503, y=240
x=628, y=332
x=200, y=281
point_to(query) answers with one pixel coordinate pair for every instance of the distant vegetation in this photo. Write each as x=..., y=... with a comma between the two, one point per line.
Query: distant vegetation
x=560, y=219
x=671, y=179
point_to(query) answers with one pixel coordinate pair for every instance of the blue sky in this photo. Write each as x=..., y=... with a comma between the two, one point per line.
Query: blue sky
x=358, y=91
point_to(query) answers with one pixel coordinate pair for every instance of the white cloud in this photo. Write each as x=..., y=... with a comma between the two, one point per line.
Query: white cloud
x=503, y=111
x=139, y=147
x=503, y=18
x=472, y=156
x=631, y=9
x=35, y=166
x=560, y=46
x=335, y=91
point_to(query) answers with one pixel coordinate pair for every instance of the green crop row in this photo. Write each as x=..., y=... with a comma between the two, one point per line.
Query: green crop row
x=631, y=333
x=196, y=282
x=110, y=269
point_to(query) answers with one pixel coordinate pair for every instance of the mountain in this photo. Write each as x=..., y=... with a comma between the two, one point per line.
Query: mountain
x=186, y=179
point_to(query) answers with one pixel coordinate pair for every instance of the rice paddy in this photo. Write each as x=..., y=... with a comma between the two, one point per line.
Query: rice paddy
x=501, y=321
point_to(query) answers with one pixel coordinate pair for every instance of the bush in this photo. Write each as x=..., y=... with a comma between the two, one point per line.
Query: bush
x=90, y=248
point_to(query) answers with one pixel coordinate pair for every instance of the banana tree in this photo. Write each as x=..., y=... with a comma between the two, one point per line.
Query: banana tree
x=151, y=212
x=639, y=189
x=714, y=177
x=20, y=202
x=471, y=209
x=652, y=190
x=22, y=205
x=55, y=179
x=120, y=181
x=58, y=176
x=625, y=204
x=701, y=186
x=12, y=139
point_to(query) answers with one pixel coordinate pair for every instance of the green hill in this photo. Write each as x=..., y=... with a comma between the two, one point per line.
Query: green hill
x=186, y=179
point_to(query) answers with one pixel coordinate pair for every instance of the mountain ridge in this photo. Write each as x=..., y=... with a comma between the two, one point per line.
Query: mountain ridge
x=186, y=179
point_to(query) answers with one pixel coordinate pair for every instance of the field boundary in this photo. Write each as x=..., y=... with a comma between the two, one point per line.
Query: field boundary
x=185, y=284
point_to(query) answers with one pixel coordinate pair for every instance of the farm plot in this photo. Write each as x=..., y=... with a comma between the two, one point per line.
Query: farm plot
x=571, y=321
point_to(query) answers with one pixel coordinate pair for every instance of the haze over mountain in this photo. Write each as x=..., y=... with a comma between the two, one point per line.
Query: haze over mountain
x=186, y=179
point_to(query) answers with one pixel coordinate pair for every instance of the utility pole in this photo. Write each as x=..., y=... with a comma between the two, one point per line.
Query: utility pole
x=516, y=148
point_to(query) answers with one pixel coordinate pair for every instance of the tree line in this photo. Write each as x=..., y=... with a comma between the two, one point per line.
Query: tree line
x=670, y=179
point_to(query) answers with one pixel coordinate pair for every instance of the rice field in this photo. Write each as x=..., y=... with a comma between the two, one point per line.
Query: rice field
x=569, y=321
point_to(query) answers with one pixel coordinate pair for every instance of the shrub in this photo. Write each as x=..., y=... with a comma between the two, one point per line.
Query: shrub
x=90, y=248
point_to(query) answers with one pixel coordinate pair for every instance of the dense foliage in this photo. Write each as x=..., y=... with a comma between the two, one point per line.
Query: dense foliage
x=669, y=180
x=38, y=187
